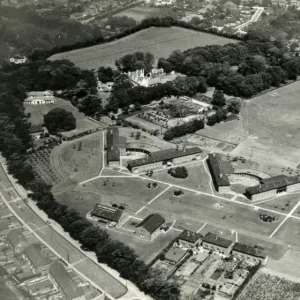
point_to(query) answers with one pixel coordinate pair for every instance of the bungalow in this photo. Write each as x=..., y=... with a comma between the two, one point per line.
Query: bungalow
x=249, y=253
x=108, y=215
x=149, y=228
x=212, y=241
x=37, y=132
x=189, y=239
x=42, y=97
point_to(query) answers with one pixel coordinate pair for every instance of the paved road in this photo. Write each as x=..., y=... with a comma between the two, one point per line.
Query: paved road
x=253, y=19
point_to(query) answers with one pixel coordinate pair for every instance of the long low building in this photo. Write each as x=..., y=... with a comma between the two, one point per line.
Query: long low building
x=116, y=146
x=270, y=187
x=160, y=158
x=108, y=215
x=252, y=254
x=214, y=242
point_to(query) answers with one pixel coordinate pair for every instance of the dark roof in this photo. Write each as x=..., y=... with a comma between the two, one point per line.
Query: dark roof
x=68, y=286
x=219, y=169
x=214, y=239
x=163, y=155
x=246, y=249
x=107, y=212
x=272, y=183
x=34, y=254
x=114, y=142
x=151, y=223
x=189, y=236
x=36, y=129
x=16, y=238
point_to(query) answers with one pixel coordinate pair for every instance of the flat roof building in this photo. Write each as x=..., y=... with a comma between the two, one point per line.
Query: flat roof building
x=68, y=286
x=150, y=226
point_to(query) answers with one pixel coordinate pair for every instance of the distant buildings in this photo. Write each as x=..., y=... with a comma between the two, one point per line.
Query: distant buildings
x=66, y=283
x=104, y=87
x=161, y=158
x=17, y=240
x=270, y=187
x=150, y=227
x=116, y=146
x=108, y=215
x=138, y=77
x=18, y=61
x=36, y=98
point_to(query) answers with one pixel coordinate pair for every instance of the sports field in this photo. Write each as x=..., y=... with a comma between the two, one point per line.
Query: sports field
x=290, y=232
x=37, y=113
x=272, y=120
x=161, y=42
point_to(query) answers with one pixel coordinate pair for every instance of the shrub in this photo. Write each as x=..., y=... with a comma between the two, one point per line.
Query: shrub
x=178, y=172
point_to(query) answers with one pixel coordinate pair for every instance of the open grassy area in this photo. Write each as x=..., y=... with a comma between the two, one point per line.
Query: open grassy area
x=139, y=13
x=187, y=224
x=197, y=178
x=212, y=210
x=80, y=159
x=161, y=42
x=83, y=123
x=290, y=232
x=272, y=121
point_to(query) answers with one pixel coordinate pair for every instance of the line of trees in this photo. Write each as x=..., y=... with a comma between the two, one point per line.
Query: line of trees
x=14, y=143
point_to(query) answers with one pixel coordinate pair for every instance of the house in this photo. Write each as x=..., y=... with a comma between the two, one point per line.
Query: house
x=66, y=283
x=252, y=254
x=38, y=288
x=270, y=187
x=17, y=240
x=18, y=61
x=108, y=215
x=104, y=87
x=149, y=228
x=116, y=146
x=162, y=158
x=36, y=98
x=38, y=132
x=39, y=262
x=189, y=239
x=219, y=169
x=214, y=242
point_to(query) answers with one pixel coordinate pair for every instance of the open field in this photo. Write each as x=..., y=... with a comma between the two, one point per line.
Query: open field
x=37, y=113
x=230, y=132
x=146, y=250
x=101, y=278
x=80, y=159
x=270, y=287
x=209, y=209
x=290, y=232
x=161, y=42
x=139, y=13
x=187, y=224
x=197, y=178
x=272, y=121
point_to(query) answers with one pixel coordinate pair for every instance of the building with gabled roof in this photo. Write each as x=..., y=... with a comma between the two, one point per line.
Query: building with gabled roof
x=17, y=240
x=272, y=186
x=189, y=239
x=149, y=228
x=214, y=242
x=108, y=215
x=40, y=97
x=116, y=146
x=253, y=254
x=66, y=283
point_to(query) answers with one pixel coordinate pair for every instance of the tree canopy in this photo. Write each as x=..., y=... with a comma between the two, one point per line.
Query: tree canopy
x=58, y=119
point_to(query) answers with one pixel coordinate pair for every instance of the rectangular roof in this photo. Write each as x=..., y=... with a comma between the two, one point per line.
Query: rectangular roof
x=16, y=238
x=163, y=155
x=114, y=142
x=34, y=254
x=39, y=286
x=214, y=239
x=65, y=281
x=272, y=183
x=246, y=249
x=151, y=222
x=39, y=93
x=189, y=236
x=219, y=169
x=107, y=212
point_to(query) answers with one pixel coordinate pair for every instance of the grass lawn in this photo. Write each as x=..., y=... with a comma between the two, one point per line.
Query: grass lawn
x=289, y=232
x=197, y=178
x=272, y=120
x=101, y=278
x=140, y=13
x=187, y=224
x=80, y=159
x=213, y=211
x=284, y=203
x=37, y=113
x=161, y=42
x=133, y=193
x=4, y=181
x=147, y=251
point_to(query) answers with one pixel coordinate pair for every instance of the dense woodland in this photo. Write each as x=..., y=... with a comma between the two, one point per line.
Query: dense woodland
x=14, y=143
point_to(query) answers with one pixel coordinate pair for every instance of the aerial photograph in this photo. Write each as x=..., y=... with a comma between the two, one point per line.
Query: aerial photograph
x=149, y=150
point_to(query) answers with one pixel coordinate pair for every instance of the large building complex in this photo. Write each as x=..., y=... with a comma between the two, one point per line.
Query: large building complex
x=116, y=146
x=270, y=187
x=160, y=158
